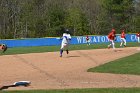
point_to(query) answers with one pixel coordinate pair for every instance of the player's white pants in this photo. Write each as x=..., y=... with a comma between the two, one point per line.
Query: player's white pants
x=123, y=41
x=88, y=42
x=138, y=39
x=112, y=44
x=64, y=45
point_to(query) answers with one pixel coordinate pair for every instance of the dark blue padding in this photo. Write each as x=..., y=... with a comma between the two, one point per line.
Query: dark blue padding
x=57, y=42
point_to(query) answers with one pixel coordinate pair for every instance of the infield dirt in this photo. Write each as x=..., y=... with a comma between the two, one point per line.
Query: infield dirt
x=49, y=71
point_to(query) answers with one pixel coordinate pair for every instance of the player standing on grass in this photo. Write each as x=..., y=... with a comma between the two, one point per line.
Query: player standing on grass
x=65, y=42
x=87, y=40
x=112, y=37
x=123, y=39
x=138, y=37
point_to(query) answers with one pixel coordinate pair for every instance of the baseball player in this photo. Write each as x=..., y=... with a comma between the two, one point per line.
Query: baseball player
x=138, y=37
x=123, y=40
x=112, y=37
x=65, y=42
x=3, y=47
x=87, y=40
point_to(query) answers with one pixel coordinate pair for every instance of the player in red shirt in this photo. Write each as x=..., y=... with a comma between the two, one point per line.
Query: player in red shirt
x=3, y=47
x=138, y=37
x=88, y=40
x=111, y=37
x=123, y=40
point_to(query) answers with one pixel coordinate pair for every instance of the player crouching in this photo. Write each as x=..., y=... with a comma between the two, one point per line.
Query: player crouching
x=3, y=47
x=65, y=42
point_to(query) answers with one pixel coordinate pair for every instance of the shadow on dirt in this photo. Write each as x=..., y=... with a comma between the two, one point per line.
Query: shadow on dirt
x=72, y=56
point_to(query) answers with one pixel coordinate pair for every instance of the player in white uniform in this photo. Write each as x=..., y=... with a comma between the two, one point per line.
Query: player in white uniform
x=65, y=42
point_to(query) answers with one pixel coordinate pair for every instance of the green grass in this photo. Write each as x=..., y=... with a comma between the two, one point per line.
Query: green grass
x=99, y=90
x=39, y=49
x=126, y=65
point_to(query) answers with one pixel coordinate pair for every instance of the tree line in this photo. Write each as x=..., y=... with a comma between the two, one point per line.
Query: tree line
x=45, y=18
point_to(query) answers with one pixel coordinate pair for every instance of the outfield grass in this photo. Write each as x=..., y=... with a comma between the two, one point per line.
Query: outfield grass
x=99, y=90
x=39, y=49
x=126, y=65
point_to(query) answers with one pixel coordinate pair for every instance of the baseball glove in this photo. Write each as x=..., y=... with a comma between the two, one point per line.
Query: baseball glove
x=4, y=47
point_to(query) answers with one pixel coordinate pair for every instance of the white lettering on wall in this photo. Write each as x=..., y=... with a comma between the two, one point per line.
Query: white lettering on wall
x=133, y=37
x=94, y=39
x=79, y=39
x=98, y=38
x=90, y=39
x=102, y=39
x=107, y=38
x=84, y=40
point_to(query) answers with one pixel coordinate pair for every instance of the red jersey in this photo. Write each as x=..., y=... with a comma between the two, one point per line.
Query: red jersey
x=87, y=38
x=138, y=35
x=111, y=36
x=123, y=35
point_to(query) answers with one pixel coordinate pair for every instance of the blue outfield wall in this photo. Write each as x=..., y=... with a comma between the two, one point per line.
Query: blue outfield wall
x=56, y=41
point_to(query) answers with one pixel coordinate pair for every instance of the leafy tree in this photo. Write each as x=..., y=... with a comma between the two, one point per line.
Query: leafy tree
x=137, y=16
x=56, y=21
x=120, y=13
x=77, y=21
x=41, y=18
